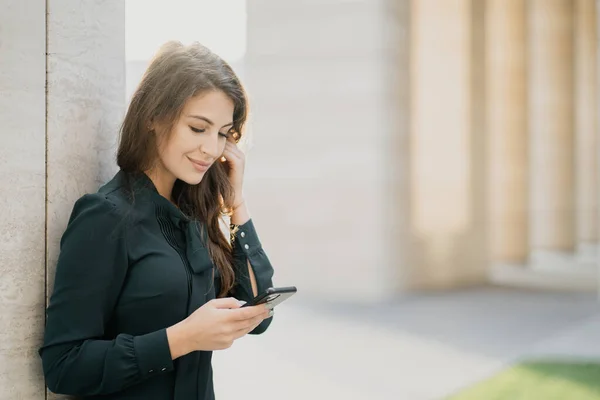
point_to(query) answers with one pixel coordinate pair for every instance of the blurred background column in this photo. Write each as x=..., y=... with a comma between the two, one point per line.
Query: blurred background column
x=506, y=85
x=551, y=117
x=328, y=82
x=586, y=107
x=448, y=168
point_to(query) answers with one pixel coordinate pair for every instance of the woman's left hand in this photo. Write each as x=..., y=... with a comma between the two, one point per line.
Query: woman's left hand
x=236, y=162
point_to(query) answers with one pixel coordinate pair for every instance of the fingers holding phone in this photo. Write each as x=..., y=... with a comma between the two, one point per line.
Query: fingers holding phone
x=273, y=296
x=215, y=326
x=219, y=322
x=250, y=317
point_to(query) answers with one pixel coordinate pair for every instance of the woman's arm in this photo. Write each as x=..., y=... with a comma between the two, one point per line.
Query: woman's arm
x=91, y=269
x=253, y=270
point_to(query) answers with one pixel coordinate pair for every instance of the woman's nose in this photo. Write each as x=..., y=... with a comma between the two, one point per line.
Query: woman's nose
x=211, y=147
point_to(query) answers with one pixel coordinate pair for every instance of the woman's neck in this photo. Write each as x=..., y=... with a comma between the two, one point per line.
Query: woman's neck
x=163, y=180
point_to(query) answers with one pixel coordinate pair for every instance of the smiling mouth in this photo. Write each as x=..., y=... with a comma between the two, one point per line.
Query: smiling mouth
x=200, y=165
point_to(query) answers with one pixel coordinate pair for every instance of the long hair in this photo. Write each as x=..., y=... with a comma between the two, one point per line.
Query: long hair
x=176, y=74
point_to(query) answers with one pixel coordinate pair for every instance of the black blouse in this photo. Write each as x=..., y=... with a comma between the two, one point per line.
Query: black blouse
x=131, y=264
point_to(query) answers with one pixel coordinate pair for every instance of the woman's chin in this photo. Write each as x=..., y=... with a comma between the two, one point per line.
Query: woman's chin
x=192, y=179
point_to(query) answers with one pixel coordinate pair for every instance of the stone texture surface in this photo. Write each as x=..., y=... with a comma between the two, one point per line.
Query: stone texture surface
x=22, y=196
x=86, y=103
x=323, y=79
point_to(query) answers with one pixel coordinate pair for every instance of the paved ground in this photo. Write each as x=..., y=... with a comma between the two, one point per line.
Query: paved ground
x=421, y=347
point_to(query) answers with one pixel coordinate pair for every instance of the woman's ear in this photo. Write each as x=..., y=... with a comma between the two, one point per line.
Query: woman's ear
x=151, y=125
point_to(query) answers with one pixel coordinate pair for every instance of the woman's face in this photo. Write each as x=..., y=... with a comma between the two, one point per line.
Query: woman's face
x=198, y=138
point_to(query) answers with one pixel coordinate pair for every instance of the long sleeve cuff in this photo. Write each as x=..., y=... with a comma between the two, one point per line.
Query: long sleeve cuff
x=153, y=353
x=246, y=240
x=247, y=247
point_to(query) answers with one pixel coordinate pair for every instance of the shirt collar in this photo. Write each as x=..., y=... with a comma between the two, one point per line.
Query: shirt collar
x=144, y=188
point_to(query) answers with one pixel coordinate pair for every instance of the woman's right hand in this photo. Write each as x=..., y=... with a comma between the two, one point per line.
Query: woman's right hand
x=214, y=326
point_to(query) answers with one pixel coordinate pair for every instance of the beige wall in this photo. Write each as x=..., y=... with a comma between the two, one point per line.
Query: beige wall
x=86, y=103
x=22, y=196
x=328, y=136
x=348, y=187
x=54, y=147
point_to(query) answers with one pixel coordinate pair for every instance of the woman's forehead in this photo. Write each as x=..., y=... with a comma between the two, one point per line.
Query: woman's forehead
x=213, y=106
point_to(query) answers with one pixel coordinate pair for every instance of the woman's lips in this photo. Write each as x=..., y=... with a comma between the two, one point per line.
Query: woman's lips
x=200, y=166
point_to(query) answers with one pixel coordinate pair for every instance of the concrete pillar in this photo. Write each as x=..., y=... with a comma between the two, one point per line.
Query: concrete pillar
x=447, y=143
x=328, y=82
x=22, y=196
x=61, y=102
x=586, y=125
x=506, y=107
x=86, y=104
x=551, y=117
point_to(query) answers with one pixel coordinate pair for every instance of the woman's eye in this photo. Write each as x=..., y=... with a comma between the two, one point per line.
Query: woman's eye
x=197, y=130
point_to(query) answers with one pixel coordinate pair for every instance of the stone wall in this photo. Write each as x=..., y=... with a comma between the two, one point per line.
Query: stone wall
x=62, y=95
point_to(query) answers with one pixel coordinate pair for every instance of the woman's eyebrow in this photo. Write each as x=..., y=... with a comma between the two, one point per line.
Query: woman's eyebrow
x=208, y=120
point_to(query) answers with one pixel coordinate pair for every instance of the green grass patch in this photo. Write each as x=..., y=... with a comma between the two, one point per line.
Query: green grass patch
x=539, y=380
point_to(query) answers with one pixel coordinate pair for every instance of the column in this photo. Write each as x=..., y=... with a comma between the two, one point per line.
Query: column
x=328, y=83
x=506, y=102
x=551, y=118
x=86, y=104
x=22, y=196
x=586, y=126
x=447, y=144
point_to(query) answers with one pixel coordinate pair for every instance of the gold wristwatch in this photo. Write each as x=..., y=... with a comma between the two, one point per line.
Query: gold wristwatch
x=233, y=229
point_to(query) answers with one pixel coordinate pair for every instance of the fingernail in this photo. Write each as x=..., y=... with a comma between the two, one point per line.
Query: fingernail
x=271, y=313
x=242, y=302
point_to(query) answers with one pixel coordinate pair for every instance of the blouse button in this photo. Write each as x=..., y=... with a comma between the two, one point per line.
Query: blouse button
x=164, y=369
x=151, y=371
x=246, y=246
x=243, y=234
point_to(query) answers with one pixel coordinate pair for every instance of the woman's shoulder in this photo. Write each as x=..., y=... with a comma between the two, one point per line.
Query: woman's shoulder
x=97, y=209
x=108, y=205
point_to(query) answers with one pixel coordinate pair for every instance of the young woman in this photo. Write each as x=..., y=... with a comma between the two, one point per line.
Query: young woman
x=147, y=285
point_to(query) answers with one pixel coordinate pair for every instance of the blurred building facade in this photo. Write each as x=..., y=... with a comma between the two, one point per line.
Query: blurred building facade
x=396, y=146
x=426, y=144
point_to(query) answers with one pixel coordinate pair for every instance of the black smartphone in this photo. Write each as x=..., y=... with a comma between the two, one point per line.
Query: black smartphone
x=273, y=296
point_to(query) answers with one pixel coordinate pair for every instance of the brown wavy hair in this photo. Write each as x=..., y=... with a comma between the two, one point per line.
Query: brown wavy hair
x=176, y=74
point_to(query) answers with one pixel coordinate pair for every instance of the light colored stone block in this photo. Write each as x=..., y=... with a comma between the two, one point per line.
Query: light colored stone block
x=22, y=45
x=86, y=102
x=22, y=197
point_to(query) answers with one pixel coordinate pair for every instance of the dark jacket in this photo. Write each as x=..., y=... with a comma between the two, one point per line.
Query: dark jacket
x=132, y=264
